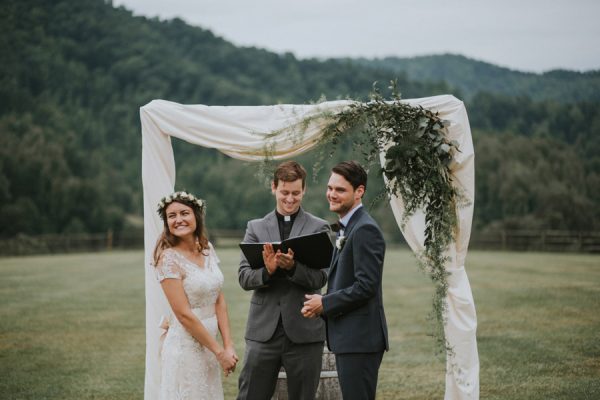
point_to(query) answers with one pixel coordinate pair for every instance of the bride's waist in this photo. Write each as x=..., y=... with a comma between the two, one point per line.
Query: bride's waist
x=171, y=325
x=204, y=312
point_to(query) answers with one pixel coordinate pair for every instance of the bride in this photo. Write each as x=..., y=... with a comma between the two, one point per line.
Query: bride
x=188, y=271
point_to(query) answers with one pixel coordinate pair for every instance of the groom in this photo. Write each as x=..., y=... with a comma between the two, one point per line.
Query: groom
x=276, y=332
x=353, y=305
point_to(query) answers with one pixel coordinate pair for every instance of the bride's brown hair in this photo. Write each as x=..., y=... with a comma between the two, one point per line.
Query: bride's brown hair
x=167, y=239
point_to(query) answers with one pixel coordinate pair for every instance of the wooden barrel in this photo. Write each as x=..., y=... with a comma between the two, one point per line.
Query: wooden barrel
x=329, y=388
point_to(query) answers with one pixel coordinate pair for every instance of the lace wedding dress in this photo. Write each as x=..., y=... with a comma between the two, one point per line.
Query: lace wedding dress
x=189, y=370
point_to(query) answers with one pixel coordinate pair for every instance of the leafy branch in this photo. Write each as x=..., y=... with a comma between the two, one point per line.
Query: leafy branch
x=418, y=157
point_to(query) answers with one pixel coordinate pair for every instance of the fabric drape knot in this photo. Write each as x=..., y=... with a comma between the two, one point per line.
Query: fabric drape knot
x=164, y=325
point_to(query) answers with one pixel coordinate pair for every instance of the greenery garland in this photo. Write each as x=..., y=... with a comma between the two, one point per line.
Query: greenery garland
x=418, y=156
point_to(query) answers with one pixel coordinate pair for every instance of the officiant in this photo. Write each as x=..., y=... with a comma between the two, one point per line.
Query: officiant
x=276, y=332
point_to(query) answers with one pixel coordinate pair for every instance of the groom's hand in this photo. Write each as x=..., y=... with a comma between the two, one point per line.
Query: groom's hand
x=313, y=306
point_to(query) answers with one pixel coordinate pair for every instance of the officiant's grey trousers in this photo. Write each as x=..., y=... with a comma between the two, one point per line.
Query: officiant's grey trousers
x=302, y=363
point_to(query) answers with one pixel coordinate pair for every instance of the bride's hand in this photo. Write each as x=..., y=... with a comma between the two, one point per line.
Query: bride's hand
x=231, y=351
x=228, y=360
x=235, y=357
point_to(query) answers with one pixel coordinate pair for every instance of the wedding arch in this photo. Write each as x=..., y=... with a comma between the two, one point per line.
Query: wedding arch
x=242, y=132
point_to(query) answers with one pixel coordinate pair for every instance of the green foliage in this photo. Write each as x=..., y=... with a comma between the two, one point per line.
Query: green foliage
x=73, y=77
x=74, y=74
x=416, y=167
x=537, y=163
x=530, y=183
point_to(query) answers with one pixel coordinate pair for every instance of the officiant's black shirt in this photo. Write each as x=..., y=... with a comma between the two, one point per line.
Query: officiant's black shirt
x=285, y=227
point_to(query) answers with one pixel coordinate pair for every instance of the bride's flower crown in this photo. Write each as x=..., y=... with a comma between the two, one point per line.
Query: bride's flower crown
x=183, y=196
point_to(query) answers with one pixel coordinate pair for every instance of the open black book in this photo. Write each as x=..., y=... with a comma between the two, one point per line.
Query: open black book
x=314, y=250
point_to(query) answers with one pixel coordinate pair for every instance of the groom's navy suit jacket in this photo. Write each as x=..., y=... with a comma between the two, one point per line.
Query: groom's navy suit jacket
x=353, y=305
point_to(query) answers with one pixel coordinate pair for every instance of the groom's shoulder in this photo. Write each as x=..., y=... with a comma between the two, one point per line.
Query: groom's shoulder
x=366, y=219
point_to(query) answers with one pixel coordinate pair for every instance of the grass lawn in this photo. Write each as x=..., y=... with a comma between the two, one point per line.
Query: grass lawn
x=72, y=326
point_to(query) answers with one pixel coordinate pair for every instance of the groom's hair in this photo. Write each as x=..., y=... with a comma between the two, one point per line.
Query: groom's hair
x=353, y=172
x=289, y=171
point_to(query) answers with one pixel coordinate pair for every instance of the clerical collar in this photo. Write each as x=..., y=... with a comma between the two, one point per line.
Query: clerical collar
x=287, y=218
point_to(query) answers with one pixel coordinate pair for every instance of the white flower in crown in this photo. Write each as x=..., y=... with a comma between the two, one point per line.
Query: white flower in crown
x=339, y=243
x=182, y=195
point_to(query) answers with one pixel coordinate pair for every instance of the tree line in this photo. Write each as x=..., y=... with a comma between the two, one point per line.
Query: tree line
x=75, y=73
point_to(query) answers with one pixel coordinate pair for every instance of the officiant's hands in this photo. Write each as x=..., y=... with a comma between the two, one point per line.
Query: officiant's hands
x=285, y=260
x=276, y=259
x=269, y=258
x=313, y=306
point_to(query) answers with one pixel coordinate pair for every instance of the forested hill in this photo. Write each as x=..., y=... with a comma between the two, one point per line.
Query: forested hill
x=471, y=76
x=74, y=74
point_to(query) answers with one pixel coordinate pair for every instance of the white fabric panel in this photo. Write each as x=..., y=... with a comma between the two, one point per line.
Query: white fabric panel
x=462, y=368
x=462, y=378
x=158, y=178
x=241, y=132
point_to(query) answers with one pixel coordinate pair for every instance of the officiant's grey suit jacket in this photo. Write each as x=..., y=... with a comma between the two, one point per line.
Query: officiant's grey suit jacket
x=282, y=294
x=353, y=305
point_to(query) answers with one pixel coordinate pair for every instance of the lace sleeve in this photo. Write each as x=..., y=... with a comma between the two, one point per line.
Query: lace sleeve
x=168, y=267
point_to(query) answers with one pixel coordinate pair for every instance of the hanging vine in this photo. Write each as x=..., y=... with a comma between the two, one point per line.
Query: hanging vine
x=418, y=156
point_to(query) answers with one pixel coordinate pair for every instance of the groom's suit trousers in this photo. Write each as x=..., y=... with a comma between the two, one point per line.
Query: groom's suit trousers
x=358, y=373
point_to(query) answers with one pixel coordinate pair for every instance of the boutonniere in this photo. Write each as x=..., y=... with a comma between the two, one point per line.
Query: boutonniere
x=339, y=243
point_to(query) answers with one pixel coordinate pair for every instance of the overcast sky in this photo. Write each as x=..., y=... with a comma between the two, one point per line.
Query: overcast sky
x=527, y=35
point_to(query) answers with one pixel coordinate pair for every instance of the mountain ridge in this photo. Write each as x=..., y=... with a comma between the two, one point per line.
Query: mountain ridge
x=471, y=76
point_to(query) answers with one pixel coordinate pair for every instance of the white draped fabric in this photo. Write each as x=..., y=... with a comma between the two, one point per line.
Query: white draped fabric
x=244, y=133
